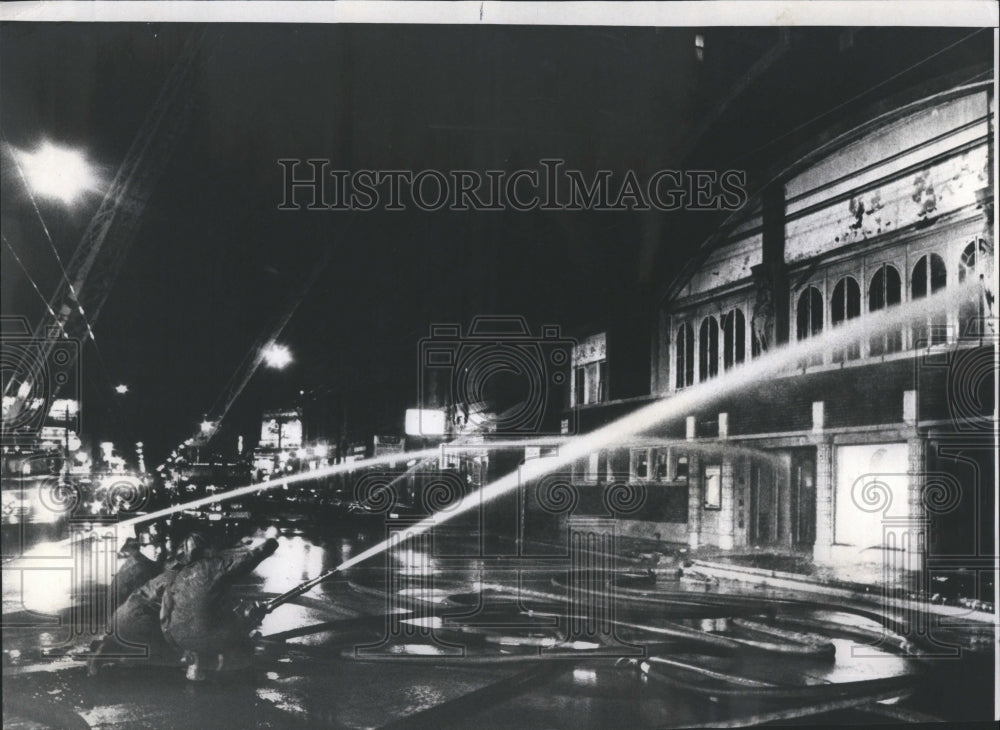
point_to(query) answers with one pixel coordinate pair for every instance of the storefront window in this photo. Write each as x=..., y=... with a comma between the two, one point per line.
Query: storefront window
x=659, y=464
x=590, y=372
x=590, y=383
x=871, y=492
x=640, y=464
x=681, y=471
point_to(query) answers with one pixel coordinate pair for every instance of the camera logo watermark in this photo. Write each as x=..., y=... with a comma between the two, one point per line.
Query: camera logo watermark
x=910, y=564
x=65, y=583
x=498, y=377
x=34, y=373
x=313, y=184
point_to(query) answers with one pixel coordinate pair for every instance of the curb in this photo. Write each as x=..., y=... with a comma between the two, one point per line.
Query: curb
x=779, y=579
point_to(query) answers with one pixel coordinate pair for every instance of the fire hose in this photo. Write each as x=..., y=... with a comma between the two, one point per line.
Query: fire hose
x=698, y=673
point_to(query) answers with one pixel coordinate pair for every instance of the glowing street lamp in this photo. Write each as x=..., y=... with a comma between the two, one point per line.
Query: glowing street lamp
x=207, y=427
x=57, y=172
x=121, y=389
x=276, y=356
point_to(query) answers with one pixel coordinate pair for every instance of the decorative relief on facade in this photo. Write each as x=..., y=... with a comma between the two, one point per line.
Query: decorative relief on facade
x=918, y=198
x=727, y=266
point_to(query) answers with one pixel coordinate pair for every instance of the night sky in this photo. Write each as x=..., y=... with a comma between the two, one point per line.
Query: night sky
x=214, y=261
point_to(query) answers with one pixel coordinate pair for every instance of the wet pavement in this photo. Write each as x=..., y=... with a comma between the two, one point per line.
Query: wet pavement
x=470, y=632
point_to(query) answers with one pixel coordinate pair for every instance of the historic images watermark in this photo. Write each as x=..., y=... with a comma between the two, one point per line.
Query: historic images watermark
x=314, y=184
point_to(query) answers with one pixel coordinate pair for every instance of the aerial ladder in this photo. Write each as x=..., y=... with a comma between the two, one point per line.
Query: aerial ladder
x=89, y=276
x=98, y=257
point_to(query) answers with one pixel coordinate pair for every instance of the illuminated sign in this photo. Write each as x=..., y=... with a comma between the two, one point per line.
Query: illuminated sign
x=60, y=436
x=64, y=409
x=424, y=422
x=281, y=433
x=388, y=445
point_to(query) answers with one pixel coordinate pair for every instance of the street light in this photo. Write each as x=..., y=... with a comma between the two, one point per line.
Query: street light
x=121, y=389
x=57, y=172
x=276, y=356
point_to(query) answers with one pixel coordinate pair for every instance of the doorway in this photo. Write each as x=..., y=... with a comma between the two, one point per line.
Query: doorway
x=782, y=509
x=803, y=496
x=765, y=504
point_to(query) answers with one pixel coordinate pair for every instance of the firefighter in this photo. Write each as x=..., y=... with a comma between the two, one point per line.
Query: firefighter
x=197, y=614
x=134, y=572
x=136, y=623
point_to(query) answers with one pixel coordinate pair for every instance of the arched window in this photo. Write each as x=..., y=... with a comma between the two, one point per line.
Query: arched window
x=809, y=318
x=929, y=275
x=684, y=366
x=708, y=348
x=976, y=263
x=885, y=290
x=810, y=313
x=734, y=344
x=844, y=305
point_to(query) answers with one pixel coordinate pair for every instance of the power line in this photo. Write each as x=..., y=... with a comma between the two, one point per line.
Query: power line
x=31, y=279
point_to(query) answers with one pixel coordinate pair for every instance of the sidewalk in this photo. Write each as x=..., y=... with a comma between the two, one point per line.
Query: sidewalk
x=780, y=573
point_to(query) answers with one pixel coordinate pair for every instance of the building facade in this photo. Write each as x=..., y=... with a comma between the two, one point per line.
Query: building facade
x=878, y=445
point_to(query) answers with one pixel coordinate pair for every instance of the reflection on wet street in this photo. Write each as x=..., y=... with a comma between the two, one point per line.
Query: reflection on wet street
x=439, y=632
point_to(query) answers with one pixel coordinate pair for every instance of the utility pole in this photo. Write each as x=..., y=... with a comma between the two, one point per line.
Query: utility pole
x=66, y=443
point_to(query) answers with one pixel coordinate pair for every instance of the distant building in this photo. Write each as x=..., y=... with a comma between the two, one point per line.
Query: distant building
x=590, y=371
x=281, y=438
x=281, y=430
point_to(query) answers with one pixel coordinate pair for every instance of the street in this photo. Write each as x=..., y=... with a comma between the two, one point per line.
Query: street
x=487, y=638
